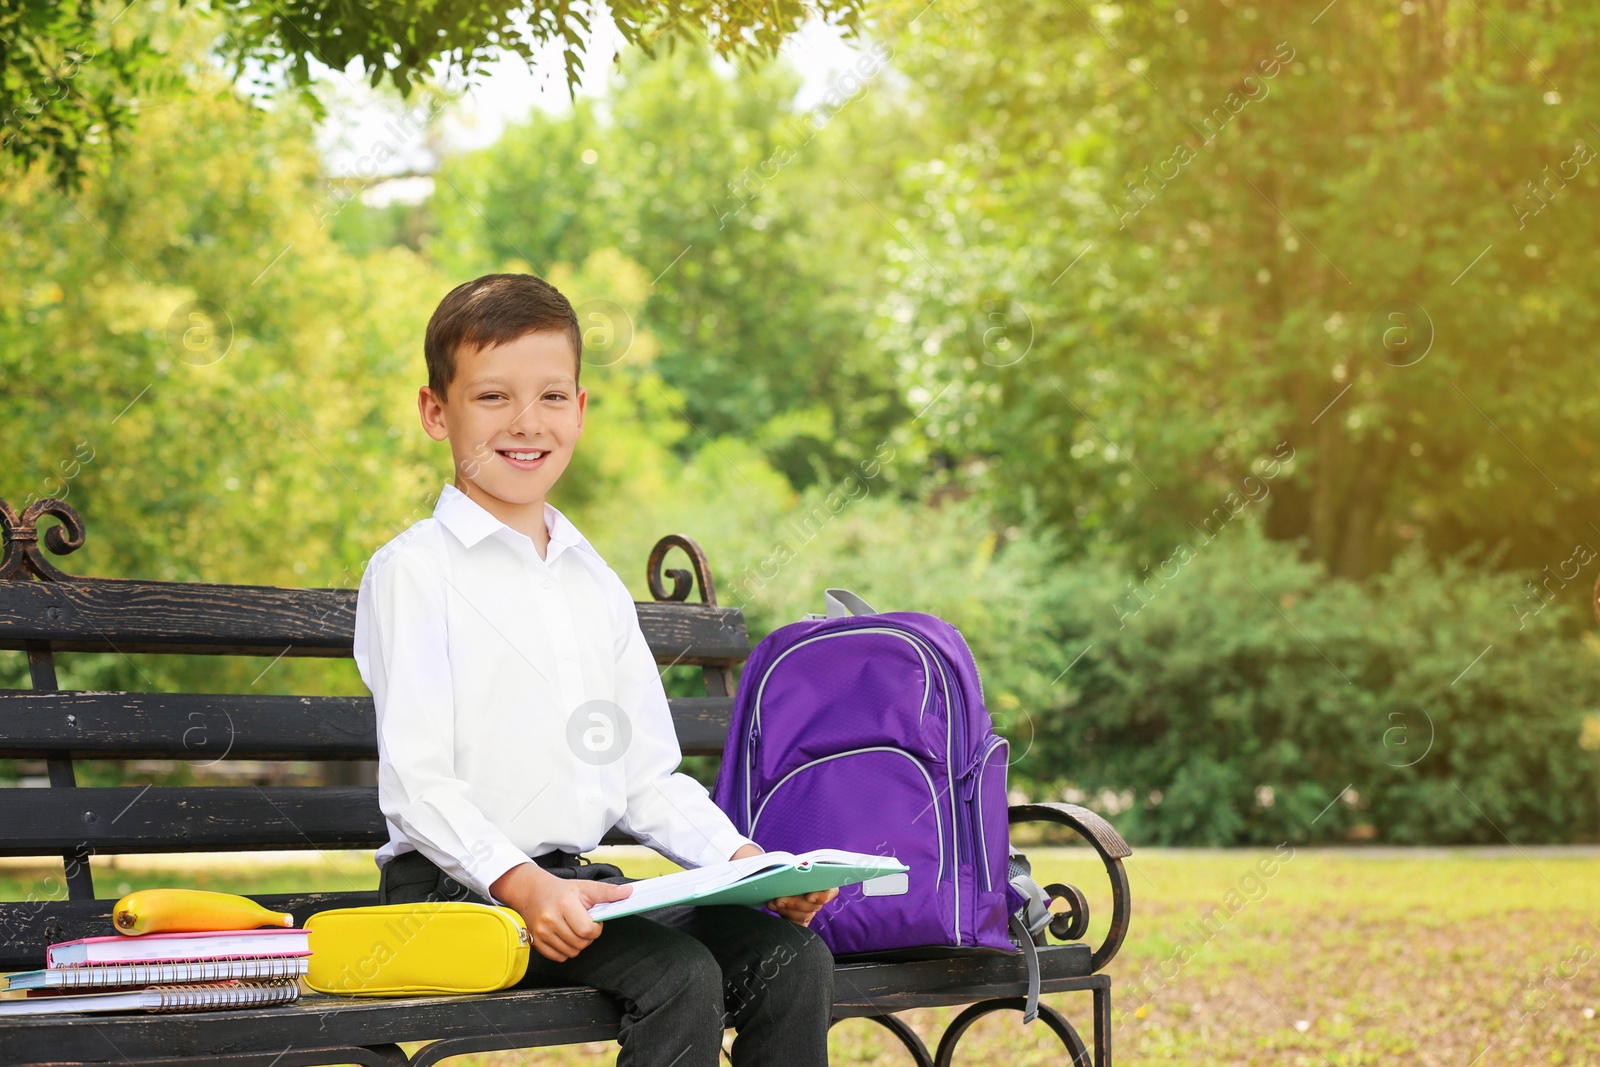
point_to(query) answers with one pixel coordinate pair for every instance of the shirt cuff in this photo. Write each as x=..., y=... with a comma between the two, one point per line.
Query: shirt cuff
x=489, y=871
x=724, y=845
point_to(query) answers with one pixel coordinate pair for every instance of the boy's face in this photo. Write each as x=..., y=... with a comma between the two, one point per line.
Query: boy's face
x=506, y=402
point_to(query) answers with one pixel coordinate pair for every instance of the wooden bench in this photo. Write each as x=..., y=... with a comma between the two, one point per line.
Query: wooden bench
x=44, y=611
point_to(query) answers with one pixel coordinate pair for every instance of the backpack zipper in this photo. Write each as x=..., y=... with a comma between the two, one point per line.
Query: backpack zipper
x=755, y=725
x=955, y=739
x=983, y=765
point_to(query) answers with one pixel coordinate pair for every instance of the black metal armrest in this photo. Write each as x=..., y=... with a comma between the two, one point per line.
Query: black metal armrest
x=1112, y=848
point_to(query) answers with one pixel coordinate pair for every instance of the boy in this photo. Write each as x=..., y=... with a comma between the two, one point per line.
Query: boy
x=520, y=715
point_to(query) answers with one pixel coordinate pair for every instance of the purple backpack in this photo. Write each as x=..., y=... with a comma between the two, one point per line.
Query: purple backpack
x=868, y=732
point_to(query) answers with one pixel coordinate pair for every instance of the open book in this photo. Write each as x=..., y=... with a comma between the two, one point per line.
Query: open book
x=753, y=880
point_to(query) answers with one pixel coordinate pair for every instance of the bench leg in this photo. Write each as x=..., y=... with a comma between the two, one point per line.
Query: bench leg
x=1102, y=1027
x=1076, y=1049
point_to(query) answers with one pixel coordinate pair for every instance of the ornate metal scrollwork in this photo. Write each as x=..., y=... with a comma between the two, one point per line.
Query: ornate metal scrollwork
x=23, y=558
x=907, y=1037
x=1072, y=924
x=1051, y=1018
x=682, y=581
x=1112, y=849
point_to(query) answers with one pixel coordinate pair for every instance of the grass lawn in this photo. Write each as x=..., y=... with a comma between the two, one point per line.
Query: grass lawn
x=1444, y=957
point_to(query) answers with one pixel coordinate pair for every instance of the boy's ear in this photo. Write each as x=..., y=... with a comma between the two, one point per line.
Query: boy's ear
x=432, y=414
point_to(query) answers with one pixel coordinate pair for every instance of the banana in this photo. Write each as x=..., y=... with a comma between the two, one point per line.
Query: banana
x=152, y=911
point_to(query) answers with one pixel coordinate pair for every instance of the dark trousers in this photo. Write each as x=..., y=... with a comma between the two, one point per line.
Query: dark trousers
x=681, y=974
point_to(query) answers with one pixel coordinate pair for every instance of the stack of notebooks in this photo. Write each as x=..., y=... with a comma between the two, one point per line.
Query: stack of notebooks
x=164, y=972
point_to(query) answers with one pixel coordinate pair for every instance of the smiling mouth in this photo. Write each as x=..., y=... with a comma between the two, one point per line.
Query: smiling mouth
x=524, y=460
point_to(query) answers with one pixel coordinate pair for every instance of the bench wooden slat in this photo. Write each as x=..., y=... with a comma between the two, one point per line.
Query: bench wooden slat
x=197, y=727
x=190, y=818
x=534, y=1017
x=208, y=818
x=873, y=988
x=105, y=615
x=203, y=727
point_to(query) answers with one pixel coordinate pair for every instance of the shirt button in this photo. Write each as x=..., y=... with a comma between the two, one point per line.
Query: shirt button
x=545, y=583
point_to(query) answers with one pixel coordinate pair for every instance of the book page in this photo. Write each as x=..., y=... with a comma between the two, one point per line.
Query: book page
x=849, y=859
x=805, y=877
x=667, y=889
x=721, y=882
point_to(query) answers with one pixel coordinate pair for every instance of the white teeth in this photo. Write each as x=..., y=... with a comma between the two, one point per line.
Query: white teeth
x=526, y=456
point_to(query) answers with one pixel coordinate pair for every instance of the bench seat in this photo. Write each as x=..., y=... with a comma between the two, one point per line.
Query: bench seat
x=316, y=1027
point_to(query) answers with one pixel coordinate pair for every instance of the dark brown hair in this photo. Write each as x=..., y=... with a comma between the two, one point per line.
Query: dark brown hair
x=495, y=309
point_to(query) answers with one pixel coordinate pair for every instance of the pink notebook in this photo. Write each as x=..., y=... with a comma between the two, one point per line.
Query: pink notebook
x=197, y=945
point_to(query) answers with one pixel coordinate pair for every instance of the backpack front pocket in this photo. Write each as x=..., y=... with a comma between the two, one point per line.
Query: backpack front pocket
x=879, y=801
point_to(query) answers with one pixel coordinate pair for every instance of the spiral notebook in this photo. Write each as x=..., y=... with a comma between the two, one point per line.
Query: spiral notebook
x=178, y=947
x=141, y=974
x=199, y=996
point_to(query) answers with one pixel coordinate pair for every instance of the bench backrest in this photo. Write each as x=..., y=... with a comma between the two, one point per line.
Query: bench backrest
x=44, y=611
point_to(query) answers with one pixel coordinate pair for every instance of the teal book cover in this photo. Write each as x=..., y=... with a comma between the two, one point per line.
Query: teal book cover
x=753, y=880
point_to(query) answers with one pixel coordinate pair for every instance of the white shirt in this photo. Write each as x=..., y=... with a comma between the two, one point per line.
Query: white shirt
x=519, y=708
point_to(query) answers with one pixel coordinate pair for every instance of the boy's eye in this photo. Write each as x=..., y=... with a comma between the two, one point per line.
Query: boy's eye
x=558, y=396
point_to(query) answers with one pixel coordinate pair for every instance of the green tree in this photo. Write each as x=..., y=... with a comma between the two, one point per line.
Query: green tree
x=48, y=112
x=1161, y=239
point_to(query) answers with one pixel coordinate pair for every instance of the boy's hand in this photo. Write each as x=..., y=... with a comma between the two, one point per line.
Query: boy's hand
x=801, y=909
x=555, y=910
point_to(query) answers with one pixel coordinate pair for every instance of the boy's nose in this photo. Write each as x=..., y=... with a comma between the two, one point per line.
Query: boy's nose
x=526, y=421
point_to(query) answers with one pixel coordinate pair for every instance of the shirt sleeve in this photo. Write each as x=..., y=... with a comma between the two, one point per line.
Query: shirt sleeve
x=402, y=652
x=666, y=809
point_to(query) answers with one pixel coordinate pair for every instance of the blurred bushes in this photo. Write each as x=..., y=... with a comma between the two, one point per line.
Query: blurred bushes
x=1252, y=699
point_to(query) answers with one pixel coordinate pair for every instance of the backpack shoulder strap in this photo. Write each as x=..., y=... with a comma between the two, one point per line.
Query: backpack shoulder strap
x=1019, y=933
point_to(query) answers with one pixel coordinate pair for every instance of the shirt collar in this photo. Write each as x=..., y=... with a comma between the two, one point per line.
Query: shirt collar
x=471, y=523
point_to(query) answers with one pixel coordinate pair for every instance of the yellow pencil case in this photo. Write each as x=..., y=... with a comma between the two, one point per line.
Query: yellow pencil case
x=396, y=950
